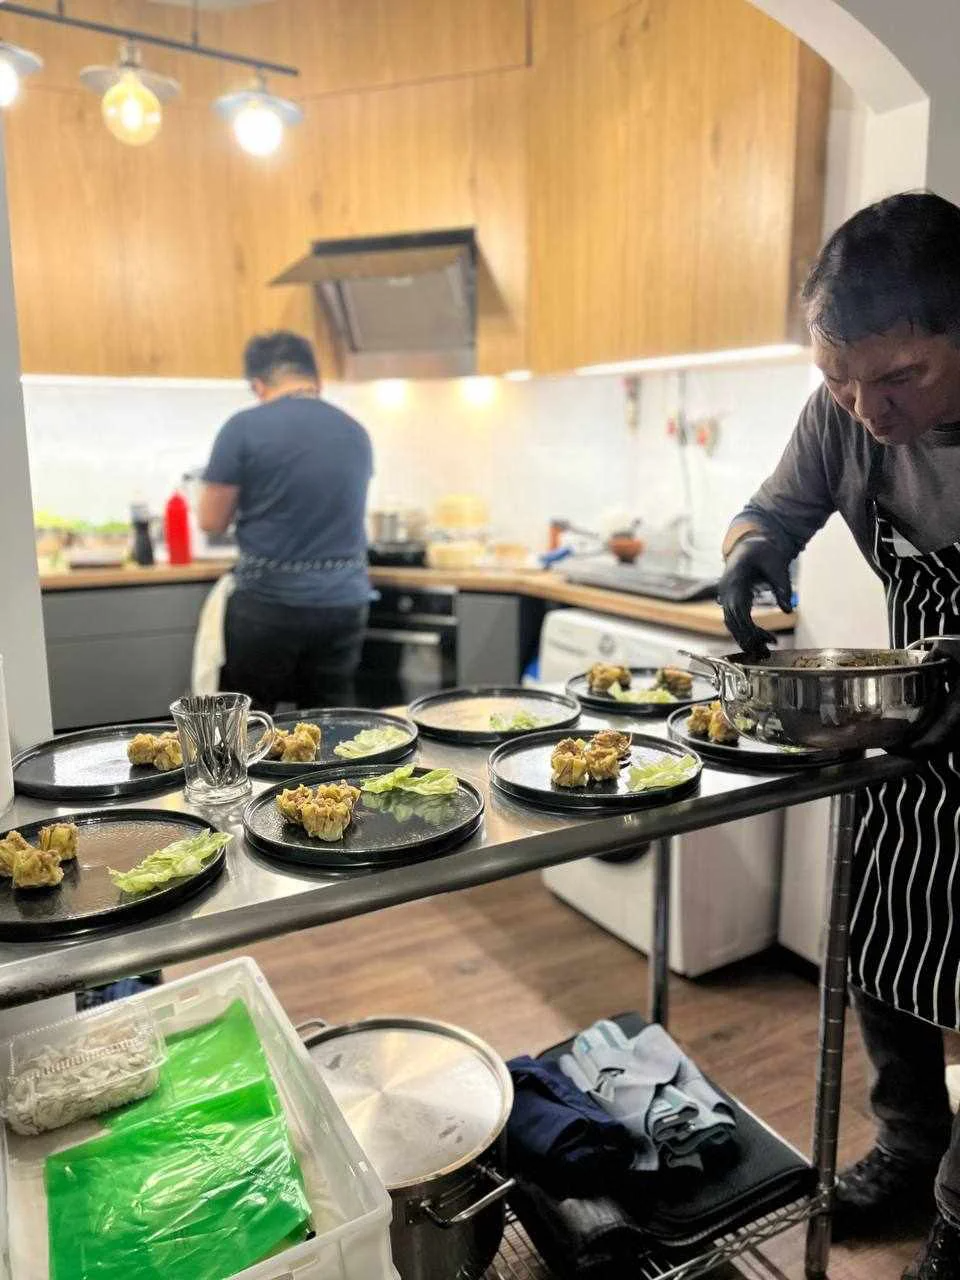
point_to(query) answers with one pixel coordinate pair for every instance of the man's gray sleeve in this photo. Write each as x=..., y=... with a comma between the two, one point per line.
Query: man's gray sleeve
x=796, y=501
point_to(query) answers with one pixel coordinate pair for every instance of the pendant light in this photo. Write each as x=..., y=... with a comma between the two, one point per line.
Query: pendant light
x=258, y=118
x=15, y=64
x=131, y=97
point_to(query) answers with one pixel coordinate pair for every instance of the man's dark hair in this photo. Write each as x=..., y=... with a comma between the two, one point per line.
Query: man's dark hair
x=896, y=262
x=270, y=356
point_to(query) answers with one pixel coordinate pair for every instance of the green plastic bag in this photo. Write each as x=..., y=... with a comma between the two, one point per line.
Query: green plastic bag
x=196, y=1182
x=202, y=1063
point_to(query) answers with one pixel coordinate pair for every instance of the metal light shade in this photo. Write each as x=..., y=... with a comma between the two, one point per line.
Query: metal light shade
x=15, y=63
x=102, y=79
x=258, y=118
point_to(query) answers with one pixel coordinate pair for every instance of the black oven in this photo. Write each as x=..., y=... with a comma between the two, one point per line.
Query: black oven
x=410, y=647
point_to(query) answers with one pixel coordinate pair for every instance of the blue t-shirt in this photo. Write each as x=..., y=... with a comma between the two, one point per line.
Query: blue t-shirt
x=303, y=468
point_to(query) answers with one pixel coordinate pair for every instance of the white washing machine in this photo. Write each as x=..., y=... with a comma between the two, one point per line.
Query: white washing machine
x=726, y=879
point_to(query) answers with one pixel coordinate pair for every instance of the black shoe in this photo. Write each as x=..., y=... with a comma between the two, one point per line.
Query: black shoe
x=883, y=1196
x=939, y=1259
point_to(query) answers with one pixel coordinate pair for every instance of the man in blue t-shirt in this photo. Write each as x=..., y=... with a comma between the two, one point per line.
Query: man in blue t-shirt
x=293, y=472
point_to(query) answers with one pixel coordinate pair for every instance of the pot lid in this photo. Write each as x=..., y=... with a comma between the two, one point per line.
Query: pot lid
x=422, y=1097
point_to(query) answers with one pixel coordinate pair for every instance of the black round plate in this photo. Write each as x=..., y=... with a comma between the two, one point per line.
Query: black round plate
x=462, y=716
x=748, y=753
x=521, y=769
x=337, y=725
x=87, y=899
x=377, y=837
x=642, y=678
x=92, y=765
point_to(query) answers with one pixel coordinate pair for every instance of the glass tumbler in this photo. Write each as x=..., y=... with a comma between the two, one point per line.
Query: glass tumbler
x=214, y=737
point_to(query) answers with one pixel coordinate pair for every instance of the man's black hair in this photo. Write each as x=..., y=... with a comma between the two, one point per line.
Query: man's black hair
x=281, y=354
x=897, y=262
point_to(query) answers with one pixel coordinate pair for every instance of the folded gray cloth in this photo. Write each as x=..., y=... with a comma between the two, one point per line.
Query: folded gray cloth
x=654, y=1090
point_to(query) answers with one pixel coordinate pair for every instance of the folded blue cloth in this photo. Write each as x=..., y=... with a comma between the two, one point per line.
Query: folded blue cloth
x=559, y=1136
x=657, y=1093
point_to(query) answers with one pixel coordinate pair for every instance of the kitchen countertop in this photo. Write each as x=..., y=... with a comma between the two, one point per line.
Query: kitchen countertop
x=255, y=898
x=702, y=617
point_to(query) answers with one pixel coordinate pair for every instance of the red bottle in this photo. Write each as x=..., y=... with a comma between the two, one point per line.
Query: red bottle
x=176, y=528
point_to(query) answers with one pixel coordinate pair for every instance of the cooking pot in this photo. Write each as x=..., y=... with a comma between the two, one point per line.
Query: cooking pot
x=400, y=524
x=428, y=1103
x=833, y=699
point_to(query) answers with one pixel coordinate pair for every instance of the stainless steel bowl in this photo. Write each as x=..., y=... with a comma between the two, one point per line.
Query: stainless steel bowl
x=833, y=699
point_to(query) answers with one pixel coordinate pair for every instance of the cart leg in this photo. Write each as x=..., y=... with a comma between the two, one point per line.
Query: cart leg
x=833, y=1011
x=660, y=943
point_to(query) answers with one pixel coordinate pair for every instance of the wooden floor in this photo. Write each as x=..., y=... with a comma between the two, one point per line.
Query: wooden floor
x=522, y=970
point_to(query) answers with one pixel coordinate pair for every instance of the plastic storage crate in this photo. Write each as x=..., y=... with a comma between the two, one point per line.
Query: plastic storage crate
x=351, y=1208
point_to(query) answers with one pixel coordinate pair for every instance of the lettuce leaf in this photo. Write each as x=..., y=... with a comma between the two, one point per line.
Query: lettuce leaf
x=640, y=695
x=367, y=741
x=182, y=858
x=668, y=771
x=520, y=720
x=438, y=782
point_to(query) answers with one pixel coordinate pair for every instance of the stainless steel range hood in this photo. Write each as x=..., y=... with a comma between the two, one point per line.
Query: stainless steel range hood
x=400, y=305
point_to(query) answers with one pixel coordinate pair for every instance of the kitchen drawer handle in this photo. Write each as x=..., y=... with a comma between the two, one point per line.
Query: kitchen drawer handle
x=426, y=639
x=502, y=1188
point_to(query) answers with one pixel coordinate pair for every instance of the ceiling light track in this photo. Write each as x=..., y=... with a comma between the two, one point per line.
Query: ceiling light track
x=60, y=17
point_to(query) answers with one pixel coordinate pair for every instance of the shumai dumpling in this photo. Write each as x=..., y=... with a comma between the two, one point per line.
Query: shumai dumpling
x=603, y=674
x=326, y=819
x=612, y=740
x=675, y=681
x=341, y=792
x=143, y=748
x=277, y=744
x=169, y=753
x=312, y=731
x=11, y=845
x=61, y=839
x=698, y=721
x=603, y=763
x=36, y=869
x=291, y=800
x=299, y=748
x=721, y=730
x=568, y=768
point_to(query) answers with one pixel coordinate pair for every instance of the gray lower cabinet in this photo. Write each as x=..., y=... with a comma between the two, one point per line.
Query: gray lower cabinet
x=119, y=653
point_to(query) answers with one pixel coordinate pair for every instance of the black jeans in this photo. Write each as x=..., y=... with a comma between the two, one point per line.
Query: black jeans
x=291, y=653
x=909, y=1094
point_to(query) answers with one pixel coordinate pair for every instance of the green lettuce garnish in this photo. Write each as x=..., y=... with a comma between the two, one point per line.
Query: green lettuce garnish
x=519, y=721
x=404, y=805
x=668, y=771
x=182, y=858
x=367, y=741
x=640, y=695
x=438, y=782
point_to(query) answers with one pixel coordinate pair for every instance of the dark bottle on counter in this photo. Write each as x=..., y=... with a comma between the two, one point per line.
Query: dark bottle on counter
x=142, y=542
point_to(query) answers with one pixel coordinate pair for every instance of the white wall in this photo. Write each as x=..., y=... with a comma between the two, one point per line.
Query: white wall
x=540, y=449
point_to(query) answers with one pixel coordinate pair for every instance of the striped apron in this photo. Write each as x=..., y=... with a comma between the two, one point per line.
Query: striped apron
x=905, y=926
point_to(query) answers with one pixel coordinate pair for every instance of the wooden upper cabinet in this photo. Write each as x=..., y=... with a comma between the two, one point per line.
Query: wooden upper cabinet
x=676, y=177
x=649, y=181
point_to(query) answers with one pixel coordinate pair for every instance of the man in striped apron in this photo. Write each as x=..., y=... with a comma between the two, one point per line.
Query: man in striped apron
x=879, y=443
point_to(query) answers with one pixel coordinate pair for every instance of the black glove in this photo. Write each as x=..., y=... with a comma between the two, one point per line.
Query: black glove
x=755, y=561
x=945, y=730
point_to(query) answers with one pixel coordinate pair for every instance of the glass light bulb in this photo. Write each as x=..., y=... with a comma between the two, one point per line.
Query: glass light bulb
x=258, y=129
x=9, y=82
x=131, y=111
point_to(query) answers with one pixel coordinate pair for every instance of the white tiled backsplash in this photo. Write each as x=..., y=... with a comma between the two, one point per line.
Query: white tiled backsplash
x=549, y=447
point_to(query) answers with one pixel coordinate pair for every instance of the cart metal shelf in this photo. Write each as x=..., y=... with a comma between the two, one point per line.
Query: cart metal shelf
x=519, y=1260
